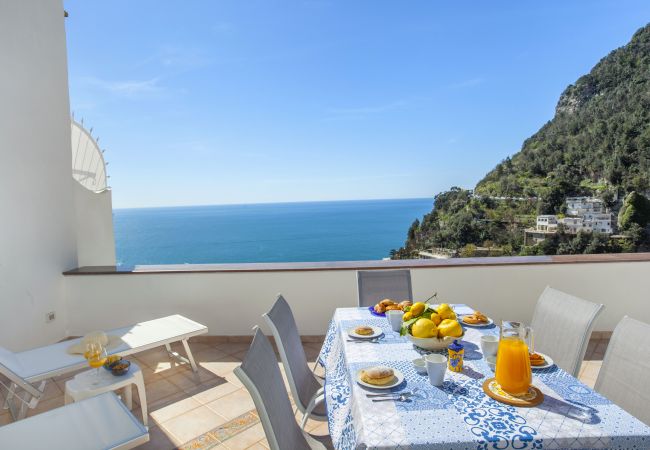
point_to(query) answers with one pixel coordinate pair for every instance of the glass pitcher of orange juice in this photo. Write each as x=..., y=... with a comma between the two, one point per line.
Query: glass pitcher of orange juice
x=513, y=361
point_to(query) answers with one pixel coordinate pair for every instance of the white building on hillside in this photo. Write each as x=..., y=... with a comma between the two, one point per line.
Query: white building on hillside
x=547, y=223
x=580, y=206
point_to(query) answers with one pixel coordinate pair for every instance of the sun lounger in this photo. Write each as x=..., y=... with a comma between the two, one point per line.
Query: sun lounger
x=29, y=368
x=101, y=422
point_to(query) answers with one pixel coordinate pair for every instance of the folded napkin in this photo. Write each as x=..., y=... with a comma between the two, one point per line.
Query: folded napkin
x=109, y=342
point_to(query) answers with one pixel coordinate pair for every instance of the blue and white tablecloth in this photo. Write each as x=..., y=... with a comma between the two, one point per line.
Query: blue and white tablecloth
x=459, y=415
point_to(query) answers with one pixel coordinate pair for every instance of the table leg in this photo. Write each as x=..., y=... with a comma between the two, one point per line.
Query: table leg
x=142, y=394
x=128, y=396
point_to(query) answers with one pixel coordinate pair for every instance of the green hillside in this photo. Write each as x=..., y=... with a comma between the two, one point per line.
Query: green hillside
x=598, y=143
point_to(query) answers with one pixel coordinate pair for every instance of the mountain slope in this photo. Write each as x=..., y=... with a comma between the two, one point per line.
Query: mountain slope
x=598, y=143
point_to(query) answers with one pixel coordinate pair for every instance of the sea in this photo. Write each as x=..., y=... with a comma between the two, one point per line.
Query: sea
x=269, y=232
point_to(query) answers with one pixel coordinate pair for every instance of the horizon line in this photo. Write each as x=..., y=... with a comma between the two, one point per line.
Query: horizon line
x=275, y=203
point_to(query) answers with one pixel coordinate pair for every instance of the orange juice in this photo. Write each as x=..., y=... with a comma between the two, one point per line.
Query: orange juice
x=96, y=362
x=513, y=366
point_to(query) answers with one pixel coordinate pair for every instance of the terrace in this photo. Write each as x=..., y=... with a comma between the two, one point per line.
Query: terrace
x=58, y=257
x=213, y=409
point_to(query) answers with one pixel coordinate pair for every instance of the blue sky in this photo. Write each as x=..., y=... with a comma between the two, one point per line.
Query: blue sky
x=215, y=102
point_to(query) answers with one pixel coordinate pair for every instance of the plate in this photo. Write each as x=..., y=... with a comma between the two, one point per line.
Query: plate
x=375, y=313
x=399, y=377
x=376, y=331
x=549, y=362
x=490, y=322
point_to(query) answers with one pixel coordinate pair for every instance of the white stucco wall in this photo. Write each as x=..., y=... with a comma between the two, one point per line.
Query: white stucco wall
x=94, y=224
x=37, y=239
x=231, y=303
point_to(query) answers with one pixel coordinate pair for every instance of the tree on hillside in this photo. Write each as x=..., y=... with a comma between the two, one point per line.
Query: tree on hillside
x=635, y=210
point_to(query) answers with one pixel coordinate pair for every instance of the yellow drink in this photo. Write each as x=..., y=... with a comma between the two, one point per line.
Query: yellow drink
x=96, y=362
x=513, y=366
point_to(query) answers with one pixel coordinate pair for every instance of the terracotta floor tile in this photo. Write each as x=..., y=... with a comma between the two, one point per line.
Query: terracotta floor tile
x=231, y=348
x=193, y=423
x=246, y=438
x=212, y=393
x=159, y=390
x=232, y=405
x=173, y=409
x=159, y=440
x=257, y=446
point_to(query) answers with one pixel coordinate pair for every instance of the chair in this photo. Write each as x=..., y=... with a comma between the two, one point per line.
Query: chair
x=306, y=389
x=623, y=377
x=376, y=285
x=29, y=370
x=97, y=423
x=562, y=327
x=260, y=374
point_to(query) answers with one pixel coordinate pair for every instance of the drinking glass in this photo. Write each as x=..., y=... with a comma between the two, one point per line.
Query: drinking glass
x=96, y=356
x=513, y=361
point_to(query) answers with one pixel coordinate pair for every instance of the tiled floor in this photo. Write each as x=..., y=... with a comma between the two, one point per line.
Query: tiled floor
x=212, y=409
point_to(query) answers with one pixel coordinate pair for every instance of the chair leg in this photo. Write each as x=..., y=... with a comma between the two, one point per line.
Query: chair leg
x=10, y=395
x=142, y=395
x=190, y=357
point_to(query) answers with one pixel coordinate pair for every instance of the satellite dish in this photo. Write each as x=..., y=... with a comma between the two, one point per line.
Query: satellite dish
x=88, y=165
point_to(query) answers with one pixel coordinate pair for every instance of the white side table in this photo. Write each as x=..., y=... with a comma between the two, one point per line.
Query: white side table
x=88, y=384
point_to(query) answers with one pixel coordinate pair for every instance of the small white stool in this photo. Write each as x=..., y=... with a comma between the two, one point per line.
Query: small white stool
x=81, y=386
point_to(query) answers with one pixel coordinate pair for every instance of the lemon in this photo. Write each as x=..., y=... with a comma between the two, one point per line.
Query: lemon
x=436, y=318
x=445, y=311
x=407, y=316
x=450, y=327
x=417, y=309
x=424, y=328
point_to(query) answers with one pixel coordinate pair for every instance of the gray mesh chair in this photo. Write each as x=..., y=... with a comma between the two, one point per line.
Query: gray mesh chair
x=306, y=388
x=623, y=377
x=376, y=285
x=260, y=374
x=562, y=327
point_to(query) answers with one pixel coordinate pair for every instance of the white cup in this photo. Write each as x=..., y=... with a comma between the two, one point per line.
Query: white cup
x=395, y=319
x=489, y=345
x=436, y=368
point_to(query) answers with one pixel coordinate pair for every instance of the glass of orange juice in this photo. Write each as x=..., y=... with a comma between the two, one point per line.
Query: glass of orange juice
x=96, y=356
x=513, y=361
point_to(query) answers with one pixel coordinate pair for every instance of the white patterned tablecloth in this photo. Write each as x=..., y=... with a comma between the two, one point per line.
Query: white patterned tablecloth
x=459, y=415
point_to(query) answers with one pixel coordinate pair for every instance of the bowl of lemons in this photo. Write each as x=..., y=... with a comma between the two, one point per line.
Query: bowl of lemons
x=429, y=327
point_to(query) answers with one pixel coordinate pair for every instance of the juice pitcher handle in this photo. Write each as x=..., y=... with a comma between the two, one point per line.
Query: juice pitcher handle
x=530, y=340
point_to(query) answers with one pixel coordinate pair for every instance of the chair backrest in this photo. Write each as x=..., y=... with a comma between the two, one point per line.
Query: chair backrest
x=623, y=377
x=302, y=382
x=376, y=285
x=260, y=373
x=562, y=327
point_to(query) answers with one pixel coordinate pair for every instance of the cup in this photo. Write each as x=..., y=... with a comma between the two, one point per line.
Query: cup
x=395, y=319
x=436, y=368
x=489, y=345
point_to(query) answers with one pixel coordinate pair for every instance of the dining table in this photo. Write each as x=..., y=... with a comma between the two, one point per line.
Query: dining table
x=458, y=414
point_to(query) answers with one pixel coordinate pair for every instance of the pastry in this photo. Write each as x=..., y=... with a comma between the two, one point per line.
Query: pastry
x=476, y=318
x=404, y=303
x=379, y=308
x=537, y=360
x=393, y=308
x=364, y=330
x=387, y=302
x=379, y=375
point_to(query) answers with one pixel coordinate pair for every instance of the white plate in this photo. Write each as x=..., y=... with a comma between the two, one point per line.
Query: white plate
x=399, y=377
x=548, y=359
x=376, y=331
x=476, y=325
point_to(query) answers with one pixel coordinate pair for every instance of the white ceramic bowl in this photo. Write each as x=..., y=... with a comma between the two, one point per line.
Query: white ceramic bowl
x=420, y=365
x=433, y=343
